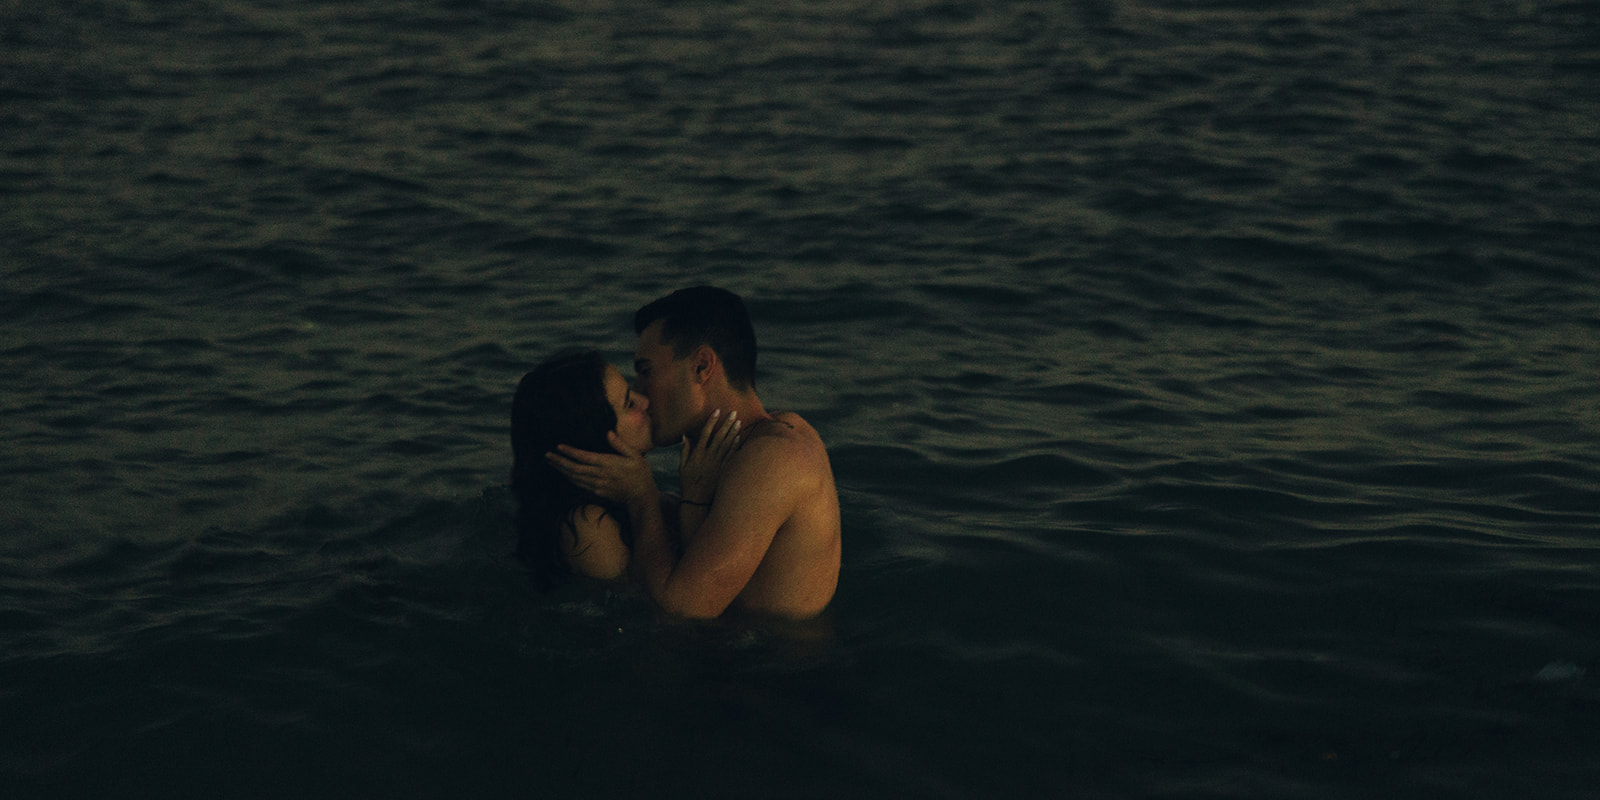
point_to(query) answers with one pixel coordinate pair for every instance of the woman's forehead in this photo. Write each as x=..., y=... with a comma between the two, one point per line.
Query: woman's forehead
x=614, y=380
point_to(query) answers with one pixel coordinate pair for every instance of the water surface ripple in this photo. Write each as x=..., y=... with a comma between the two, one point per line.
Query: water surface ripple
x=1210, y=386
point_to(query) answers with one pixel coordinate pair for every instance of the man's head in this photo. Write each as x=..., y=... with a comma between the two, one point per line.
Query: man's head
x=706, y=315
x=684, y=339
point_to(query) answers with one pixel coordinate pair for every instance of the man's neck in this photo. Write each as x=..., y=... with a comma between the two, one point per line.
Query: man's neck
x=746, y=404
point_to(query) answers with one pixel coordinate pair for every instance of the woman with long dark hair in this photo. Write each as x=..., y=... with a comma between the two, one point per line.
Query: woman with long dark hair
x=578, y=399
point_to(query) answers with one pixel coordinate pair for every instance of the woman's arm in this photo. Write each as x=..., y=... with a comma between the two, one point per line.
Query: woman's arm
x=700, y=468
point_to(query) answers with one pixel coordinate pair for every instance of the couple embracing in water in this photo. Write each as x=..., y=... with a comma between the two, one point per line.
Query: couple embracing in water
x=756, y=527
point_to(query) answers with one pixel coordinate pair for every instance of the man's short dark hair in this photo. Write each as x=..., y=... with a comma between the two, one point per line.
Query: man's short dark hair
x=706, y=315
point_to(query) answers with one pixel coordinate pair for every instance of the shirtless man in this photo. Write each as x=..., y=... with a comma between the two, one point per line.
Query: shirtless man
x=764, y=535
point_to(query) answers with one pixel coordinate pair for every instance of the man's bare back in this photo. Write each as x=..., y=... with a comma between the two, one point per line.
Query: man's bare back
x=800, y=570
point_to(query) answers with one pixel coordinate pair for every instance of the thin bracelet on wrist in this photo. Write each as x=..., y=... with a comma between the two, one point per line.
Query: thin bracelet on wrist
x=706, y=504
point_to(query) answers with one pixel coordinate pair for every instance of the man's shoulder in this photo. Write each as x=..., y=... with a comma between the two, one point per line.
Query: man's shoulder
x=790, y=425
x=787, y=431
x=784, y=445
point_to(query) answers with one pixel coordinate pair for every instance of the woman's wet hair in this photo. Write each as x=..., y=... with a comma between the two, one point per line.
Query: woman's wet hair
x=562, y=401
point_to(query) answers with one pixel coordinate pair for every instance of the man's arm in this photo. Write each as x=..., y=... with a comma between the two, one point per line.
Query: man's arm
x=760, y=489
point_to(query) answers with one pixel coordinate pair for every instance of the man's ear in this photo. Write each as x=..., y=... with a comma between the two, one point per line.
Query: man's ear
x=702, y=363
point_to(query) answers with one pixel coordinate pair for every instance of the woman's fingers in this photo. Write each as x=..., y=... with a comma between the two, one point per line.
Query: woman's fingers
x=711, y=425
x=722, y=441
x=718, y=437
x=708, y=436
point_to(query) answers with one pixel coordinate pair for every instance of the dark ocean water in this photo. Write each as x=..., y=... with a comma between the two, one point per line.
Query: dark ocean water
x=1211, y=388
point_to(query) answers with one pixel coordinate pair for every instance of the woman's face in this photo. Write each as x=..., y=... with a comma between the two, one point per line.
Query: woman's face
x=633, y=424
